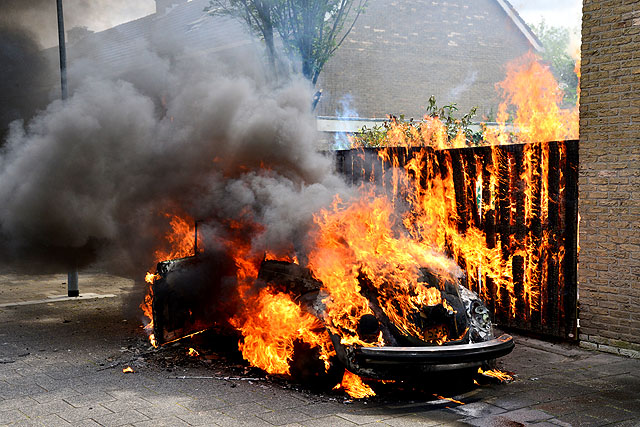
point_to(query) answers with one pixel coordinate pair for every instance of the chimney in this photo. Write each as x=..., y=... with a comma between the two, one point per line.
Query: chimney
x=162, y=6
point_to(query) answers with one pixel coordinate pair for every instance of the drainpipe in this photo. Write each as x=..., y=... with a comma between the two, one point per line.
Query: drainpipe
x=72, y=274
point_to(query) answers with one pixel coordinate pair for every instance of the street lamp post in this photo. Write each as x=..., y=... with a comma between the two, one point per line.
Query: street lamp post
x=63, y=50
x=72, y=273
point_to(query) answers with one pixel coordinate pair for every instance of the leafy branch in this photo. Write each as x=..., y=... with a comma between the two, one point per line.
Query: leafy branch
x=413, y=132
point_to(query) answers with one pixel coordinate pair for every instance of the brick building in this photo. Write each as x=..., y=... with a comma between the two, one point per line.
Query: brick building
x=401, y=52
x=398, y=54
x=609, y=272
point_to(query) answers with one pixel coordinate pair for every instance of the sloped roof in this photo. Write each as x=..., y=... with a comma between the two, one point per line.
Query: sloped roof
x=185, y=26
x=522, y=26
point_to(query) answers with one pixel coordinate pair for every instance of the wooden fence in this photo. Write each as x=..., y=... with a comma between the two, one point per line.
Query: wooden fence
x=495, y=204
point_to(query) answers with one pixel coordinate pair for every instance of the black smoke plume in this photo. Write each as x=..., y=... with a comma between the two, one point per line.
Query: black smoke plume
x=92, y=179
x=25, y=73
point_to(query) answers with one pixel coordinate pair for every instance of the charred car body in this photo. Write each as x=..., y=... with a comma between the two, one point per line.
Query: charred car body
x=455, y=335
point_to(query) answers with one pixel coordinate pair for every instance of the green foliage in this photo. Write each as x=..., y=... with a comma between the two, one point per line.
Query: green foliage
x=453, y=125
x=377, y=136
x=556, y=42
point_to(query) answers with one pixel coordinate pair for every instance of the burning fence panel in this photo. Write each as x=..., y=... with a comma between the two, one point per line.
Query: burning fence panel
x=507, y=214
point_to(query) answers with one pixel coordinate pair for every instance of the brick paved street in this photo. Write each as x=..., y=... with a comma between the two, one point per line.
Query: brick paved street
x=61, y=364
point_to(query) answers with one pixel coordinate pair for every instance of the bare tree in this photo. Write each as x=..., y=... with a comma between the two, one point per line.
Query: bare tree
x=312, y=29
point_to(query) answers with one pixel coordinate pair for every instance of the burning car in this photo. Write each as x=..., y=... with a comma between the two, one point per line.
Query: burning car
x=448, y=329
x=454, y=333
x=378, y=293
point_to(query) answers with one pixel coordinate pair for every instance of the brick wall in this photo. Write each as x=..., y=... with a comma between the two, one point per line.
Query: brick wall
x=401, y=52
x=609, y=272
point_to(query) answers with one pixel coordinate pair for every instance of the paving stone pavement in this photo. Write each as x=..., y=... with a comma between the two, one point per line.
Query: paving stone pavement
x=61, y=364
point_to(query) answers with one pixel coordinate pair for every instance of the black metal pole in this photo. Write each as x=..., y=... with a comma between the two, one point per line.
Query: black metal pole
x=72, y=273
x=63, y=51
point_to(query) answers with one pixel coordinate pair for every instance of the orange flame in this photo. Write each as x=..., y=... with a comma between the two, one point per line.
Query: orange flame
x=128, y=370
x=193, y=352
x=147, y=309
x=272, y=326
x=360, y=244
x=180, y=240
x=370, y=250
x=355, y=387
x=151, y=277
x=272, y=256
x=449, y=399
x=497, y=374
x=532, y=102
x=536, y=96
